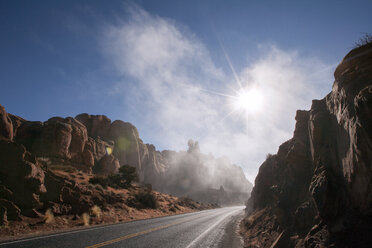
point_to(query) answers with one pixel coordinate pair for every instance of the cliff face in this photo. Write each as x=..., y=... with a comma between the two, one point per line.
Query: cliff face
x=317, y=190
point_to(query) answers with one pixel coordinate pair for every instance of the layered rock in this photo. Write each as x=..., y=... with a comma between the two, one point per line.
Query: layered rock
x=316, y=191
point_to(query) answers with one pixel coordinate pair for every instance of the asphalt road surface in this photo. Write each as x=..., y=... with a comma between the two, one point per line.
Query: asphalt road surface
x=209, y=228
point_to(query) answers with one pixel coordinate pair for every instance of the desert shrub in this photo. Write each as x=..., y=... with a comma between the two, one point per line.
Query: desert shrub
x=86, y=219
x=148, y=187
x=100, y=180
x=147, y=199
x=364, y=40
x=172, y=209
x=96, y=211
x=127, y=174
x=123, y=179
x=49, y=216
x=99, y=187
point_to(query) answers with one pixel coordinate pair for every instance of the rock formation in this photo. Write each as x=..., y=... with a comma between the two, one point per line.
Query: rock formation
x=317, y=190
x=92, y=144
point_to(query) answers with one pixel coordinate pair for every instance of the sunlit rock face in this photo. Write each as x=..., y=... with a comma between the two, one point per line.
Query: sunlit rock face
x=317, y=190
x=127, y=147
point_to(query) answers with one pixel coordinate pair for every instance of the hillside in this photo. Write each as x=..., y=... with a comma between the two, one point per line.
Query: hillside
x=48, y=166
x=54, y=176
x=316, y=191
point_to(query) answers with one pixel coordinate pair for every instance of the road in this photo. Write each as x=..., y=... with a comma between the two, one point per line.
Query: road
x=209, y=228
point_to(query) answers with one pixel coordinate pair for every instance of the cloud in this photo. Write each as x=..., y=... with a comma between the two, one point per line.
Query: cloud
x=172, y=88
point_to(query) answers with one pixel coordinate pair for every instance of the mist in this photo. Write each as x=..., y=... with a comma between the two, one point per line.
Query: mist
x=201, y=177
x=192, y=170
x=176, y=91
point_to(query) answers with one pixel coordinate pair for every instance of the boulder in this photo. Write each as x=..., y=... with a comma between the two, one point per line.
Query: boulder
x=97, y=125
x=108, y=165
x=62, y=138
x=21, y=176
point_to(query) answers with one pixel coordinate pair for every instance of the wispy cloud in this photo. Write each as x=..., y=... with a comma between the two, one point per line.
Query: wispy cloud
x=174, y=81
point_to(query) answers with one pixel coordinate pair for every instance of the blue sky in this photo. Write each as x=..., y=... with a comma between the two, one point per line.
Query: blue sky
x=158, y=65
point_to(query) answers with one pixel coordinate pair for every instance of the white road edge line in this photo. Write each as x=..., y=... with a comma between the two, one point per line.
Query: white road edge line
x=77, y=231
x=210, y=228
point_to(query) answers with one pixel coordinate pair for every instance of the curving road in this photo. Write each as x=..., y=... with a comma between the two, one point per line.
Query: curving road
x=209, y=228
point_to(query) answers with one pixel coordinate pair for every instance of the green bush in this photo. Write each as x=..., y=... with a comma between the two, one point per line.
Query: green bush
x=126, y=175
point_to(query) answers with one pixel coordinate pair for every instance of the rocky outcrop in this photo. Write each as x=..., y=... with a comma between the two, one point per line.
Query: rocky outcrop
x=97, y=125
x=128, y=149
x=107, y=165
x=6, y=125
x=21, y=179
x=61, y=138
x=31, y=150
x=316, y=191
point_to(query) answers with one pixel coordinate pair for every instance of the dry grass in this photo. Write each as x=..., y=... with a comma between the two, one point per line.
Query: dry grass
x=49, y=216
x=96, y=211
x=86, y=219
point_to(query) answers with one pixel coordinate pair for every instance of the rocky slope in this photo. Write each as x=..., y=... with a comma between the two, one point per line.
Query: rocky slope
x=31, y=151
x=81, y=203
x=317, y=190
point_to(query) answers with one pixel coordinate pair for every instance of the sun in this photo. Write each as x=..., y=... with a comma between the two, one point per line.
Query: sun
x=249, y=100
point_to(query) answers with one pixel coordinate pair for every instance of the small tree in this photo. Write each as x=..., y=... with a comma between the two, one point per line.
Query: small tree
x=123, y=179
x=127, y=174
x=364, y=40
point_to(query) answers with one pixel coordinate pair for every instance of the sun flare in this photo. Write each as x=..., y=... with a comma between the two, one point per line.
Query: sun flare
x=248, y=100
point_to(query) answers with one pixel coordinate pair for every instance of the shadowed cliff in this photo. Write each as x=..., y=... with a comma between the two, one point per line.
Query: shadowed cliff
x=317, y=190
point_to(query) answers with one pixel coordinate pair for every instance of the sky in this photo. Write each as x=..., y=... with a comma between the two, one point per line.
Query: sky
x=229, y=74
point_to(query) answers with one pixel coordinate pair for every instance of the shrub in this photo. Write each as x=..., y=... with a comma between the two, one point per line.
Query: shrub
x=99, y=187
x=364, y=40
x=100, y=180
x=86, y=219
x=126, y=175
x=148, y=187
x=49, y=217
x=96, y=211
x=147, y=199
